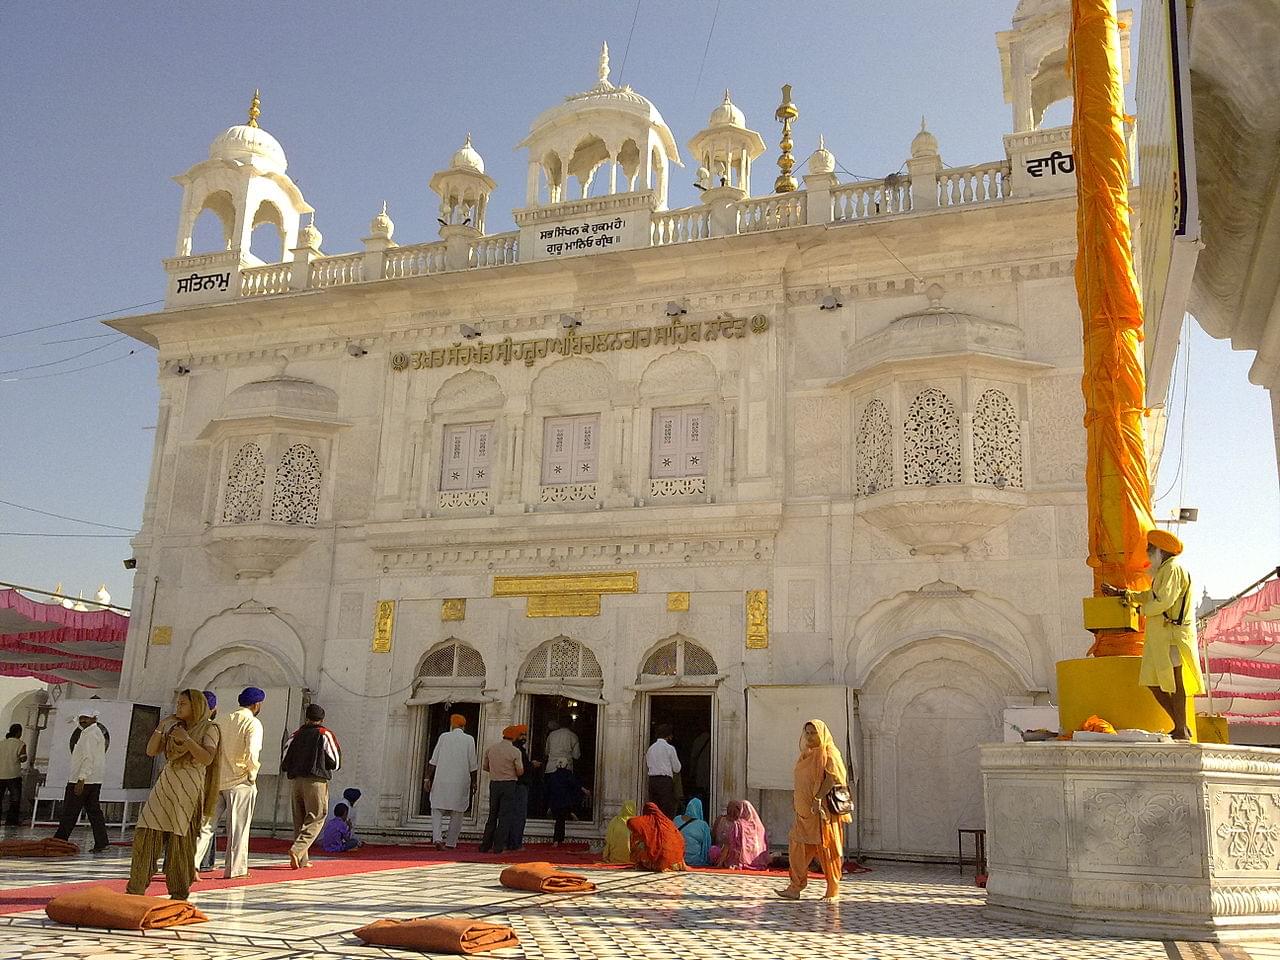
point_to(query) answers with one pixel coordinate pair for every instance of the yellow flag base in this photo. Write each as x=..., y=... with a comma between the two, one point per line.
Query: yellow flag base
x=1108, y=687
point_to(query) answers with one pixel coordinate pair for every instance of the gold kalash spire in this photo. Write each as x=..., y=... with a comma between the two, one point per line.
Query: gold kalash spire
x=787, y=112
x=255, y=109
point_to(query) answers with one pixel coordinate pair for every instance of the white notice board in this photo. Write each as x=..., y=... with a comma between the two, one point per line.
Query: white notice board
x=776, y=716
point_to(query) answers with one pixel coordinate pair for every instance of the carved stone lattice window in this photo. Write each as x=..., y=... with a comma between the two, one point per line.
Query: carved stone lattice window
x=245, y=479
x=931, y=440
x=296, y=497
x=450, y=661
x=680, y=657
x=875, y=450
x=997, y=441
x=562, y=659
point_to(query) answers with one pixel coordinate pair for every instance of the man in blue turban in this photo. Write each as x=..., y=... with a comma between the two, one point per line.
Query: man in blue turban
x=238, y=765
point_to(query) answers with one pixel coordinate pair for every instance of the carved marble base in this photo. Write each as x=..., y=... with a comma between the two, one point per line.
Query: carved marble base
x=1167, y=841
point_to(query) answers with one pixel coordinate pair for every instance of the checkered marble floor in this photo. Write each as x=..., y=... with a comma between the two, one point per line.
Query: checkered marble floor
x=893, y=913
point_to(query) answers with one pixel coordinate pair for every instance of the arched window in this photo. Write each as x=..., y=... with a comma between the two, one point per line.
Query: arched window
x=296, y=497
x=680, y=657
x=997, y=441
x=931, y=440
x=451, y=662
x=242, y=502
x=875, y=450
x=561, y=659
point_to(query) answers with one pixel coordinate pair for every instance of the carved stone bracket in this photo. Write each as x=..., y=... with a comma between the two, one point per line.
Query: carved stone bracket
x=943, y=518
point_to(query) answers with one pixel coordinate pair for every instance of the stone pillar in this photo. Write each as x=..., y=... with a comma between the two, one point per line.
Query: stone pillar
x=375, y=252
x=924, y=172
x=458, y=239
x=817, y=188
x=300, y=275
x=722, y=202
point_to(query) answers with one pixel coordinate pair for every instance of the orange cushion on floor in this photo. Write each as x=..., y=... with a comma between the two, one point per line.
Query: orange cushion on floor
x=44, y=847
x=439, y=935
x=541, y=877
x=103, y=907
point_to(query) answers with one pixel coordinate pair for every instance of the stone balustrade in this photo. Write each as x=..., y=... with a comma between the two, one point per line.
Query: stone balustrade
x=822, y=203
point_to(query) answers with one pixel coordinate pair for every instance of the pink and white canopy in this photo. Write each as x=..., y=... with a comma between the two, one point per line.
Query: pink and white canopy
x=57, y=645
x=1241, y=642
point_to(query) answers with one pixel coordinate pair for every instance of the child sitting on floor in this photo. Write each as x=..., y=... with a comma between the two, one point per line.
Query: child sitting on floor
x=337, y=837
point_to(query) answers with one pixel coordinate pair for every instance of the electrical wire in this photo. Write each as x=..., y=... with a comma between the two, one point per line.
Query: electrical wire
x=627, y=49
x=63, y=516
x=74, y=356
x=60, y=373
x=82, y=536
x=697, y=83
x=63, y=323
x=1182, y=424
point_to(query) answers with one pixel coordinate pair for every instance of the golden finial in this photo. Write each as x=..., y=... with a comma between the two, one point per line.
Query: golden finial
x=786, y=112
x=255, y=109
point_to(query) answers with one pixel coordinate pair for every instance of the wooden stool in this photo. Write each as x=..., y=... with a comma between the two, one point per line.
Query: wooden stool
x=979, y=850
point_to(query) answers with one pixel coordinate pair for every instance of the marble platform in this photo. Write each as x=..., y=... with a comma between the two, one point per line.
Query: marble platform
x=1134, y=840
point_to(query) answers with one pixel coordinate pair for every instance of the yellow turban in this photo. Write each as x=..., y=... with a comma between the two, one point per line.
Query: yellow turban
x=457, y=720
x=1164, y=540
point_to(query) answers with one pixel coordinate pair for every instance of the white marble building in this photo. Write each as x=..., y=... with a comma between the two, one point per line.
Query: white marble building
x=861, y=398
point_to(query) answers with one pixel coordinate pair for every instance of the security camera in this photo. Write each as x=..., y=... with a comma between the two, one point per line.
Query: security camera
x=181, y=370
x=130, y=564
x=355, y=350
x=674, y=309
x=831, y=301
x=569, y=321
x=469, y=332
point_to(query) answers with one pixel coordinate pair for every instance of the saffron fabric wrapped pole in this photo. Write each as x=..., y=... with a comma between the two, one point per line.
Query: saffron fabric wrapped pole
x=1114, y=383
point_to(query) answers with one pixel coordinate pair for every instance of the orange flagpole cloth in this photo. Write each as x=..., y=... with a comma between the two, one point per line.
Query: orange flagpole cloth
x=1114, y=382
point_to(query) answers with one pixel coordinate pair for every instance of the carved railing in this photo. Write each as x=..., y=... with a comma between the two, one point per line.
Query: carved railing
x=871, y=198
x=417, y=260
x=336, y=271
x=772, y=213
x=981, y=183
x=497, y=250
x=265, y=280
x=680, y=226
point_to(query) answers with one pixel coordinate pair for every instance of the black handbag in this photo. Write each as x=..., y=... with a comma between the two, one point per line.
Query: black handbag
x=838, y=802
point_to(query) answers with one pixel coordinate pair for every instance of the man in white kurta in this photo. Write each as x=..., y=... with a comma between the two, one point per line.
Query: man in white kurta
x=238, y=765
x=451, y=780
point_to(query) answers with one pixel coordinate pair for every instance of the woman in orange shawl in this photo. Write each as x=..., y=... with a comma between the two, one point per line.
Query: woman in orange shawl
x=815, y=832
x=656, y=843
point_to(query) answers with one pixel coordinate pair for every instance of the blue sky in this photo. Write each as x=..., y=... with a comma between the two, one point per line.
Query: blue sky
x=104, y=103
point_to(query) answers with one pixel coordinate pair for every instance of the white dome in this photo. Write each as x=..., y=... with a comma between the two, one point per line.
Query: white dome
x=727, y=115
x=467, y=159
x=381, y=226
x=925, y=143
x=245, y=144
x=822, y=160
x=309, y=237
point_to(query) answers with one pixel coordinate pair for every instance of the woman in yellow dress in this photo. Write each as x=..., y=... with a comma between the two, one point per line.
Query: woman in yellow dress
x=183, y=796
x=816, y=833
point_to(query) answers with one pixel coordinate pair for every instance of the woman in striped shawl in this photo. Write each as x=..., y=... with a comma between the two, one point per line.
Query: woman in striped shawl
x=183, y=796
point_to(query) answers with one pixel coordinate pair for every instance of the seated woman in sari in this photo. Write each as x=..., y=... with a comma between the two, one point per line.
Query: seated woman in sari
x=745, y=846
x=656, y=843
x=617, y=838
x=697, y=835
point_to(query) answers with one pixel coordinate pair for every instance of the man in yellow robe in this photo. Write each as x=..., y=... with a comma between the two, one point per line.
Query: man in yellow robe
x=1170, y=661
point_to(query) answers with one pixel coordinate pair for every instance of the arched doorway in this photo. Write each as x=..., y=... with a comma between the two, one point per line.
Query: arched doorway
x=678, y=679
x=925, y=711
x=560, y=684
x=450, y=679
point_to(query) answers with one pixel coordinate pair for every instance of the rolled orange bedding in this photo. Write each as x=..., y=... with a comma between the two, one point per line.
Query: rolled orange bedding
x=439, y=935
x=103, y=907
x=44, y=847
x=542, y=877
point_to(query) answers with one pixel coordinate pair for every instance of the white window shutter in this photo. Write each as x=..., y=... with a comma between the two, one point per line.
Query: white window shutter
x=695, y=444
x=586, y=449
x=666, y=454
x=558, y=451
x=479, y=472
x=453, y=470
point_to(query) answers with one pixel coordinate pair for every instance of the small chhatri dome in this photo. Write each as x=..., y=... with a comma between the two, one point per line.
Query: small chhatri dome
x=467, y=159
x=822, y=160
x=309, y=237
x=727, y=115
x=381, y=227
x=102, y=596
x=249, y=143
x=925, y=143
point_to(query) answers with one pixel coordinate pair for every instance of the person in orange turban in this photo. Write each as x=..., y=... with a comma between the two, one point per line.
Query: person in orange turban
x=1170, y=666
x=515, y=731
x=457, y=720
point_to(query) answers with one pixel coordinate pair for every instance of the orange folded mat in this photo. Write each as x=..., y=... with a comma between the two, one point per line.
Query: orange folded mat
x=45, y=847
x=544, y=878
x=103, y=907
x=439, y=935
